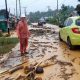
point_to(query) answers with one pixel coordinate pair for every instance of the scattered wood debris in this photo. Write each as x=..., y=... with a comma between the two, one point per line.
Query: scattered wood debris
x=15, y=69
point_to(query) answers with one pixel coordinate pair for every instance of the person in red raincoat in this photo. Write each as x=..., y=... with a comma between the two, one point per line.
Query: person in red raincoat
x=23, y=34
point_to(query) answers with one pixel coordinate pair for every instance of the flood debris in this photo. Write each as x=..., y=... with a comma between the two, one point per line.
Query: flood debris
x=53, y=57
x=64, y=63
x=28, y=69
x=50, y=46
x=55, y=48
x=15, y=69
x=4, y=58
x=45, y=43
x=48, y=62
x=8, y=79
x=39, y=70
x=41, y=55
x=73, y=60
x=38, y=78
x=31, y=76
x=65, y=75
x=20, y=77
x=43, y=50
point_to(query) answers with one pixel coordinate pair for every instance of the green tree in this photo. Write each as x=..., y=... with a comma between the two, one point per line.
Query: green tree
x=78, y=9
x=63, y=14
x=35, y=16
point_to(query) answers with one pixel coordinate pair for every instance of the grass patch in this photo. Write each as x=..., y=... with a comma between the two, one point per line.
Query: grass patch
x=6, y=44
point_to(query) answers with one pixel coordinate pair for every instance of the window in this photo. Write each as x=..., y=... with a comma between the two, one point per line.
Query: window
x=78, y=22
x=65, y=23
x=69, y=22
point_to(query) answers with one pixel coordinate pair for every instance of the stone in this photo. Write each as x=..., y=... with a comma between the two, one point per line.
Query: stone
x=39, y=70
x=38, y=78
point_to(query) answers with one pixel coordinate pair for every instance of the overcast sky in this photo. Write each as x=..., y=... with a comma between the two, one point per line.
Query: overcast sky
x=35, y=5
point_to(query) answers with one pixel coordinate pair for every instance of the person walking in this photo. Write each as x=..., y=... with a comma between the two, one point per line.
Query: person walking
x=23, y=34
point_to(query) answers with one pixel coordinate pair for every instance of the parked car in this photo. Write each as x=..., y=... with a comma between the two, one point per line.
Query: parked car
x=70, y=33
x=41, y=22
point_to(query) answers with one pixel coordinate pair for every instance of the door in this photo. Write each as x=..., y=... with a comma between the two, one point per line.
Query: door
x=66, y=28
x=62, y=32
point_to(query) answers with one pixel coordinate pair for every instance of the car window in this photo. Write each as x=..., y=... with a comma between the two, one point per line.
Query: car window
x=78, y=22
x=65, y=23
x=69, y=22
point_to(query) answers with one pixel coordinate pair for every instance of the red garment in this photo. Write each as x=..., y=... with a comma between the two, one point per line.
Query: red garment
x=22, y=30
x=23, y=34
x=23, y=44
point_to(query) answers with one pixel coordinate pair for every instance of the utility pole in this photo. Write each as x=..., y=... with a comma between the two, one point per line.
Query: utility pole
x=7, y=16
x=20, y=6
x=57, y=6
x=16, y=9
x=25, y=10
x=9, y=11
x=58, y=11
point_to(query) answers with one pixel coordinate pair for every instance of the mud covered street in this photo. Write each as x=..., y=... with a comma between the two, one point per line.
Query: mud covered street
x=45, y=49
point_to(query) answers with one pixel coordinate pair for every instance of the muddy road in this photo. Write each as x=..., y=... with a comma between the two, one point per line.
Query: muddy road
x=58, y=61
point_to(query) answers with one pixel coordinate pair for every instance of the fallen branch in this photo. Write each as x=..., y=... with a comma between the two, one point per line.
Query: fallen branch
x=15, y=69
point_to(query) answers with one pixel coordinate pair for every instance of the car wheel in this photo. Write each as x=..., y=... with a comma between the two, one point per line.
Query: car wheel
x=60, y=37
x=71, y=47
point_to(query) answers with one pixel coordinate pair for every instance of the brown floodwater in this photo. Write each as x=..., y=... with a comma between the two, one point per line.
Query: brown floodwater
x=42, y=49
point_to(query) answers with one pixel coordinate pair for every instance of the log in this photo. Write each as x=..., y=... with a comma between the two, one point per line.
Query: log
x=15, y=69
x=47, y=65
x=36, y=67
x=19, y=77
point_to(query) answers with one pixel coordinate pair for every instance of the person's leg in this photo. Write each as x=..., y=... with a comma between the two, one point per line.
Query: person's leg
x=26, y=44
x=21, y=46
